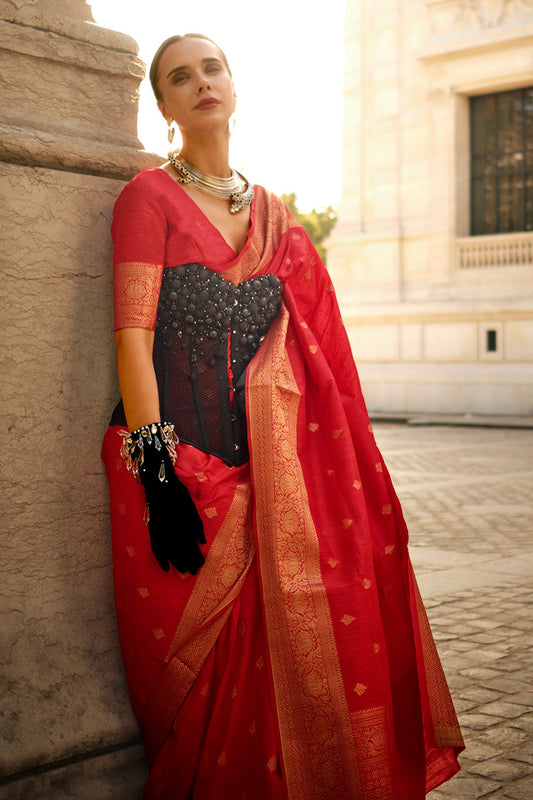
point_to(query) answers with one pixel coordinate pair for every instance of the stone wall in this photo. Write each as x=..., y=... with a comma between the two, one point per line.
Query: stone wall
x=67, y=144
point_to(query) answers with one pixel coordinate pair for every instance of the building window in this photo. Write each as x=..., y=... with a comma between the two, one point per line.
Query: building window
x=492, y=341
x=501, y=150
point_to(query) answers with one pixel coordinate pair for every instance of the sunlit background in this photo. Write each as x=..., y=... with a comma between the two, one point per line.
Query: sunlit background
x=287, y=63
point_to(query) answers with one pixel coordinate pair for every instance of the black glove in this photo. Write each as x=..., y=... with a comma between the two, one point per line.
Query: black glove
x=176, y=529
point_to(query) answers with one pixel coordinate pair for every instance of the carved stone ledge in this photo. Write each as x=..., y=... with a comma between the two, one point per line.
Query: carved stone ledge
x=476, y=14
x=444, y=45
x=50, y=45
x=69, y=18
x=38, y=148
x=69, y=103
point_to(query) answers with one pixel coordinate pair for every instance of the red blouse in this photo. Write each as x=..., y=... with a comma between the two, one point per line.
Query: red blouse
x=156, y=225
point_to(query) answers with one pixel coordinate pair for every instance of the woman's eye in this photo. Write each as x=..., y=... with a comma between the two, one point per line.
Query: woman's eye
x=179, y=77
x=213, y=68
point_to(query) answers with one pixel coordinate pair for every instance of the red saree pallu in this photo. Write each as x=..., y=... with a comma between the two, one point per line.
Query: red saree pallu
x=298, y=663
x=193, y=646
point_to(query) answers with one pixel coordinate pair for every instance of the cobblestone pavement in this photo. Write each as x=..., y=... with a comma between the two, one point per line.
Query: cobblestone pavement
x=467, y=495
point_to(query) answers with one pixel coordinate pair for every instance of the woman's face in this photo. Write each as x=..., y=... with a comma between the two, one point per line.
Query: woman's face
x=196, y=86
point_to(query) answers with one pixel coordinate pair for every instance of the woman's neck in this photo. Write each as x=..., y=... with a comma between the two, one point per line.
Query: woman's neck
x=209, y=154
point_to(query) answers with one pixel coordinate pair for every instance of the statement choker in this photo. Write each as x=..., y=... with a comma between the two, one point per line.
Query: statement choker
x=235, y=188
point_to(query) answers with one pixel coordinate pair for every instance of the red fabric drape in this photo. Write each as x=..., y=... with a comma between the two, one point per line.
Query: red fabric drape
x=298, y=662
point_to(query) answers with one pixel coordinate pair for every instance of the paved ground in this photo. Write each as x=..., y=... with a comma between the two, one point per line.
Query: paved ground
x=467, y=494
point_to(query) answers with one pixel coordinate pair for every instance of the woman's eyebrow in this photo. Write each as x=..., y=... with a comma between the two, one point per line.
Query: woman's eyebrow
x=184, y=66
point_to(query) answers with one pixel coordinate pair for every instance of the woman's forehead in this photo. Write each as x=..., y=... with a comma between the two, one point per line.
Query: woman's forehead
x=188, y=51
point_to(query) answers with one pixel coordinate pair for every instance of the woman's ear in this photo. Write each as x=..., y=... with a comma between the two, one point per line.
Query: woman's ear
x=163, y=109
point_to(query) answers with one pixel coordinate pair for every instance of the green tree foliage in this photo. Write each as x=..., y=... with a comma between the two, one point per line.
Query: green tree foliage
x=317, y=224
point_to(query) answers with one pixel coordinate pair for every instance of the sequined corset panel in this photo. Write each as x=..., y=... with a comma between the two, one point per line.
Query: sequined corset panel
x=207, y=332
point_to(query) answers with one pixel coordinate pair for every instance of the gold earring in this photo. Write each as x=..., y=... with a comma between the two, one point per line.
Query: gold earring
x=171, y=131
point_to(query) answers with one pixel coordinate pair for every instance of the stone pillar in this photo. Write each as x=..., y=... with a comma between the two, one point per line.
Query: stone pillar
x=68, y=142
x=370, y=210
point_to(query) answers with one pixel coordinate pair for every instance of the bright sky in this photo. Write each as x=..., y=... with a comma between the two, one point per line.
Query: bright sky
x=286, y=57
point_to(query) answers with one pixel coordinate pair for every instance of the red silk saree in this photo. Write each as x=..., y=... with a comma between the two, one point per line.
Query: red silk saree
x=298, y=663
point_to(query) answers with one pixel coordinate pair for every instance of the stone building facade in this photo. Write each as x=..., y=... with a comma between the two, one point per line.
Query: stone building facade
x=433, y=252
x=68, y=143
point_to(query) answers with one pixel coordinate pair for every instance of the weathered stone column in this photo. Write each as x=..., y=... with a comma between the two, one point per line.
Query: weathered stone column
x=68, y=142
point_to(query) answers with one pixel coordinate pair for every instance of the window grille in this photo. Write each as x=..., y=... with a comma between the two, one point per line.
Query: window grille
x=501, y=148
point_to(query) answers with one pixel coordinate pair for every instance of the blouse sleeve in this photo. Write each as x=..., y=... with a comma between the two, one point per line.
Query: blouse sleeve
x=139, y=231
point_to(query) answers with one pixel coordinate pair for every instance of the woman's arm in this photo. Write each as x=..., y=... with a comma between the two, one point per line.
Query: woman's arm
x=136, y=375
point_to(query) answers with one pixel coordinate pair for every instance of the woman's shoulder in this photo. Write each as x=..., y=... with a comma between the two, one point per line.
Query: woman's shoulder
x=267, y=200
x=143, y=203
x=151, y=191
x=268, y=196
x=272, y=208
x=152, y=180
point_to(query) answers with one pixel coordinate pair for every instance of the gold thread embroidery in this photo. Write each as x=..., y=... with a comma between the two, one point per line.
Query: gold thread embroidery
x=443, y=717
x=272, y=763
x=370, y=726
x=272, y=220
x=216, y=587
x=136, y=294
x=219, y=581
x=314, y=720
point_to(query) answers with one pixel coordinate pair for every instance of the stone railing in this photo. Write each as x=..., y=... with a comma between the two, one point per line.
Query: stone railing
x=502, y=250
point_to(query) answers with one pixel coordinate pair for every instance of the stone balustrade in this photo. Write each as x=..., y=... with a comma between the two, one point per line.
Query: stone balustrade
x=502, y=250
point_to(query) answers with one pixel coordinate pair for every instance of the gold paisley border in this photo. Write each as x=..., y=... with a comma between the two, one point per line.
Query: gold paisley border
x=443, y=717
x=313, y=715
x=136, y=294
x=272, y=220
x=217, y=585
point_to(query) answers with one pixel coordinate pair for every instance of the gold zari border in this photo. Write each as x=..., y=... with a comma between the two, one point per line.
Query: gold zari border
x=443, y=718
x=217, y=586
x=313, y=715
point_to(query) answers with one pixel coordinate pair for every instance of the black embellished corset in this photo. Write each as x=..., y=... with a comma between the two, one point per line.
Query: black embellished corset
x=207, y=332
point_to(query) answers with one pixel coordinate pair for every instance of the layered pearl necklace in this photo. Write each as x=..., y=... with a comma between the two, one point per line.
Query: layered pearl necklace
x=235, y=188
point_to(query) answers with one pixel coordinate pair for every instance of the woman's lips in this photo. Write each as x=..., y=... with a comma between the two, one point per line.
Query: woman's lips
x=208, y=102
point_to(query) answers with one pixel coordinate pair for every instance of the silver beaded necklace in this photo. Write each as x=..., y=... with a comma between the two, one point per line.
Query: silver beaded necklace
x=235, y=188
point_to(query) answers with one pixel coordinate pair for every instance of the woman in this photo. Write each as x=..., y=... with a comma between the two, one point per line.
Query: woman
x=296, y=662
